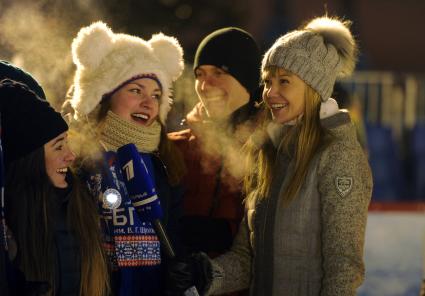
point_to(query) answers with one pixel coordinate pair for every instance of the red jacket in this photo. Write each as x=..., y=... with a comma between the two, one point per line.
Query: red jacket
x=213, y=188
x=210, y=190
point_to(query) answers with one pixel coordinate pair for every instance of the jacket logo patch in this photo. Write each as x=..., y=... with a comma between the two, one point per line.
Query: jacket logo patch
x=344, y=185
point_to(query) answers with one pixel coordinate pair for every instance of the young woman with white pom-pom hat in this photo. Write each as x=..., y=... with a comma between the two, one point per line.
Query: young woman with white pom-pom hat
x=121, y=95
x=309, y=185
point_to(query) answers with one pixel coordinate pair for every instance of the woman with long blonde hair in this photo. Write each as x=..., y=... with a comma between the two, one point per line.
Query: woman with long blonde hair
x=308, y=184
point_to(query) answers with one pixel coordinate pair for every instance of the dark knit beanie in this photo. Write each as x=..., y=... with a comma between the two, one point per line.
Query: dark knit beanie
x=10, y=71
x=233, y=50
x=27, y=121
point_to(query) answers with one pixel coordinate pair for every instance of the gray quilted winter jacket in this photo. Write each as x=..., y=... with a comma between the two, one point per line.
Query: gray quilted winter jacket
x=315, y=245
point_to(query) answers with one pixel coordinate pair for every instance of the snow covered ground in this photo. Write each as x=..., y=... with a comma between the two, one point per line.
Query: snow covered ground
x=394, y=254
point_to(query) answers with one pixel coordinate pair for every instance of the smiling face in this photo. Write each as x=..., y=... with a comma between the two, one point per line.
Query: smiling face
x=284, y=94
x=220, y=93
x=137, y=101
x=58, y=157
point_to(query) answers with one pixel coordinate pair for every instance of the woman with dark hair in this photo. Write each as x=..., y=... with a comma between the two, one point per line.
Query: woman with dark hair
x=53, y=226
x=10, y=71
x=122, y=90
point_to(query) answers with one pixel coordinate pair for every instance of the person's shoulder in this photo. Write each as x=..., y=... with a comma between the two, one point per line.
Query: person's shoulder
x=344, y=154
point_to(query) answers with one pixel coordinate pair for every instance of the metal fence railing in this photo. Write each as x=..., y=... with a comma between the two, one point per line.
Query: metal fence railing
x=393, y=112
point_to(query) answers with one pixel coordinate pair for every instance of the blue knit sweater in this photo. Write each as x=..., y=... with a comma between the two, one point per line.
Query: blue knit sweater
x=129, y=238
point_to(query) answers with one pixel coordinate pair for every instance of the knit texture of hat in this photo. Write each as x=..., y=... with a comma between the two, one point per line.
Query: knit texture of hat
x=27, y=121
x=233, y=50
x=106, y=60
x=10, y=71
x=319, y=53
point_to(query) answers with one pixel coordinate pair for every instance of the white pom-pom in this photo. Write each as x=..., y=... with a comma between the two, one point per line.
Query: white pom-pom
x=170, y=53
x=328, y=108
x=338, y=34
x=92, y=44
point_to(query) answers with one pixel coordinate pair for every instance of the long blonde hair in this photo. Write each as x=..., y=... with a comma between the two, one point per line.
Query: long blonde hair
x=306, y=136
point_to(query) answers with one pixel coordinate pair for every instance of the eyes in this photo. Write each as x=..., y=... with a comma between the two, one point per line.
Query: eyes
x=135, y=90
x=281, y=81
x=216, y=72
x=140, y=92
x=59, y=146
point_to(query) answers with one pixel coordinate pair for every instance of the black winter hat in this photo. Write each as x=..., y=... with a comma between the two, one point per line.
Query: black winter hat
x=10, y=71
x=27, y=121
x=233, y=50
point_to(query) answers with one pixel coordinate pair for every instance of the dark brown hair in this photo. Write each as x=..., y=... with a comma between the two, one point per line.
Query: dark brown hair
x=29, y=195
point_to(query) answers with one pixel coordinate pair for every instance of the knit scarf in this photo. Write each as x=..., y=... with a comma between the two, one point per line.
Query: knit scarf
x=117, y=132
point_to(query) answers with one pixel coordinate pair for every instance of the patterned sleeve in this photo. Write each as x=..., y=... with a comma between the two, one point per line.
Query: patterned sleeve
x=345, y=186
x=232, y=270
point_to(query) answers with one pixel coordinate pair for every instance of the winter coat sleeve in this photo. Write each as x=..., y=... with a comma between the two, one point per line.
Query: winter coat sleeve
x=232, y=270
x=175, y=213
x=345, y=187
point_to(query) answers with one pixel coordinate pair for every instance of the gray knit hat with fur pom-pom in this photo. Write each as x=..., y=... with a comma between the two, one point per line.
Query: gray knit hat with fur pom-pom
x=319, y=53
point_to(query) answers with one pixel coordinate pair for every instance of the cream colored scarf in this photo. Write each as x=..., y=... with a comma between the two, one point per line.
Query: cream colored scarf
x=116, y=132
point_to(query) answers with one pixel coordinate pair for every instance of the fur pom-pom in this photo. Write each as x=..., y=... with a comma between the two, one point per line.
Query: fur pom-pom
x=338, y=34
x=92, y=44
x=169, y=52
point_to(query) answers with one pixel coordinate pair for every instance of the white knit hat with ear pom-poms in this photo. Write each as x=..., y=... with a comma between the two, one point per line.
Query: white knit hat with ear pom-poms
x=106, y=60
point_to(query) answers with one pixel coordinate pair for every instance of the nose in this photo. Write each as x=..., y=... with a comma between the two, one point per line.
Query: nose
x=147, y=101
x=270, y=91
x=206, y=82
x=69, y=155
